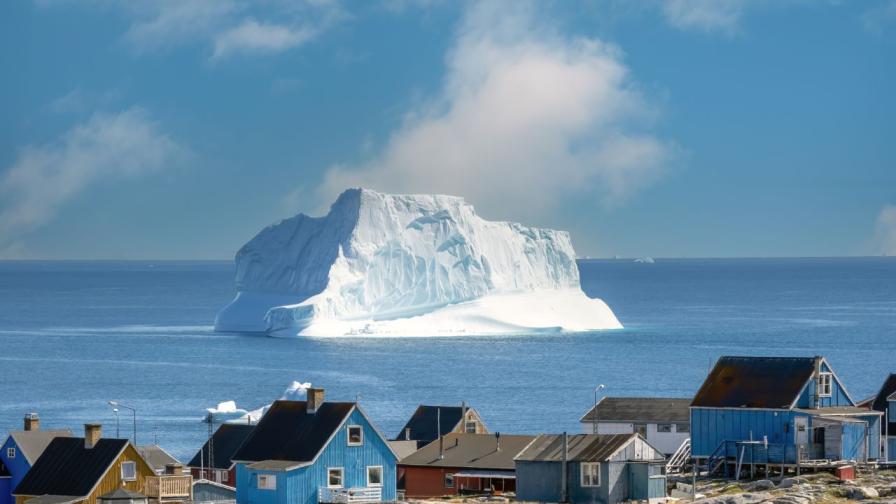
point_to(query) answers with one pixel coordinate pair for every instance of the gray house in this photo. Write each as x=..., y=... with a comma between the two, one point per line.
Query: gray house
x=590, y=468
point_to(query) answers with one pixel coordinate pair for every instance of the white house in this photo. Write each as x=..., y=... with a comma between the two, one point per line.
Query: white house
x=664, y=422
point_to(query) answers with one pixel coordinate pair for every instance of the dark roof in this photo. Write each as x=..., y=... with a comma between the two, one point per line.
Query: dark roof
x=32, y=443
x=226, y=440
x=288, y=432
x=883, y=395
x=640, y=409
x=122, y=493
x=755, y=382
x=53, y=499
x=68, y=468
x=156, y=457
x=470, y=451
x=425, y=420
x=580, y=447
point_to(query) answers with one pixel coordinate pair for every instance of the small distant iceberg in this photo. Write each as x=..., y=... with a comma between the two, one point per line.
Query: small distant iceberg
x=408, y=265
x=645, y=260
x=228, y=412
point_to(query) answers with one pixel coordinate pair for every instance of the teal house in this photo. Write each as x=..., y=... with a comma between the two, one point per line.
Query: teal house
x=305, y=452
x=779, y=410
x=20, y=451
x=590, y=468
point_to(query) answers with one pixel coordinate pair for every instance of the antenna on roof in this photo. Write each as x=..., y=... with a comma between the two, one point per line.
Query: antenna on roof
x=210, y=420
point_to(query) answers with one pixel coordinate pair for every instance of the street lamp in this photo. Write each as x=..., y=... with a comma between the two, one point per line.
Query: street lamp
x=597, y=389
x=116, y=404
x=117, y=424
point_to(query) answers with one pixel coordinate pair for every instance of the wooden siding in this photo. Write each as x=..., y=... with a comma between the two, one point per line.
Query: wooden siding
x=112, y=479
x=300, y=486
x=891, y=447
x=427, y=481
x=838, y=394
x=711, y=426
x=18, y=467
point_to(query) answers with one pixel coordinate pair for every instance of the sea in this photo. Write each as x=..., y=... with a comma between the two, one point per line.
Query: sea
x=76, y=335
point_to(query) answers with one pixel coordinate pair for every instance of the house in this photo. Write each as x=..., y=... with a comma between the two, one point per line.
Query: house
x=214, y=461
x=664, y=422
x=462, y=463
x=20, y=451
x=205, y=491
x=590, y=468
x=885, y=402
x=779, y=410
x=429, y=422
x=78, y=470
x=314, y=451
x=157, y=458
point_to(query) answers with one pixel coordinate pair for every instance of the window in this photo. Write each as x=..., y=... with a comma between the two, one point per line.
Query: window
x=664, y=427
x=129, y=471
x=824, y=384
x=375, y=476
x=470, y=427
x=11, y=452
x=641, y=429
x=682, y=427
x=590, y=474
x=334, y=477
x=449, y=481
x=355, y=435
x=266, y=482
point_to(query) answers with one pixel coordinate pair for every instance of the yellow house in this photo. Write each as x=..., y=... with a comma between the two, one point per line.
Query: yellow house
x=79, y=470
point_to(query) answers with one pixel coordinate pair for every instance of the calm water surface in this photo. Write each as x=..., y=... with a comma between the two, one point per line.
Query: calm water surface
x=74, y=335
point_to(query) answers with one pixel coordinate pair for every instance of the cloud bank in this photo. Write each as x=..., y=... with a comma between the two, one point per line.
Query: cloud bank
x=525, y=117
x=107, y=146
x=885, y=231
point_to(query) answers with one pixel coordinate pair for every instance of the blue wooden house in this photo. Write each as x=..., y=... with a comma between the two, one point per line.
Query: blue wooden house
x=304, y=452
x=590, y=468
x=779, y=410
x=20, y=451
x=885, y=403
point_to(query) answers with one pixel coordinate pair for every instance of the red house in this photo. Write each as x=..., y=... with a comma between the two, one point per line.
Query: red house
x=222, y=445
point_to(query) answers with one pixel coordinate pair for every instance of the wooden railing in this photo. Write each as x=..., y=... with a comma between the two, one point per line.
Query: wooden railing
x=169, y=487
x=350, y=495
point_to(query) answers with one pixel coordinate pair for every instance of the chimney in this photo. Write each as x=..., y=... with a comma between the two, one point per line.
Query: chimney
x=32, y=422
x=314, y=400
x=174, y=469
x=92, y=434
x=497, y=441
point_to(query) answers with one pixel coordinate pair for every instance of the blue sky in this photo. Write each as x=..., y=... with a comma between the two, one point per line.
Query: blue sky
x=698, y=128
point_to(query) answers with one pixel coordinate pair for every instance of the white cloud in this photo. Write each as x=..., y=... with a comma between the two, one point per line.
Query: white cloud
x=106, y=146
x=252, y=36
x=885, y=231
x=707, y=15
x=171, y=22
x=525, y=118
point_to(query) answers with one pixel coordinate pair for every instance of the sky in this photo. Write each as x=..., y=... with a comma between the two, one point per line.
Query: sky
x=177, y=129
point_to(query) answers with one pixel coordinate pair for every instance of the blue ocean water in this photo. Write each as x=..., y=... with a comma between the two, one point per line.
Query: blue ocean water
x=74, y=335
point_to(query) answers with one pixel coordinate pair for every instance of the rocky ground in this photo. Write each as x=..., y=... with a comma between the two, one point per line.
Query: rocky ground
x=821, y=488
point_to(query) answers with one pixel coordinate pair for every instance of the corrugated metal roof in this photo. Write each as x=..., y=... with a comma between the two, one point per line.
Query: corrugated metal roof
x=122, y=494
x=227, y=439
x=640, y=409
x=423, y=424
x=53, y=499
x=838, y=411
x=156, y=457
x=288, y=432
x=274, y=465
x=470, y=451
x=32, y=443
x=478, y=473
x=580, y=447
x=755, y=382
x=68, y=468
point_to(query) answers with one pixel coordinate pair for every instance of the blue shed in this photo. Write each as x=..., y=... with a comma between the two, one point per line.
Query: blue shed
x=304, y=452
x=20, y=451
x=590, y=468
x=885, y=403
x=779, y=410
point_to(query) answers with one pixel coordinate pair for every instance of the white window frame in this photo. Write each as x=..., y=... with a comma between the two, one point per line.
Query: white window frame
x=825, y=384
x=11, y=452
x=666, y=426
x=380, y=468
x=266, y=481
x=445, y=479
x=129, y=463
x=468, y=424
x=348, y=435
x=596, y=466
x=341, y=471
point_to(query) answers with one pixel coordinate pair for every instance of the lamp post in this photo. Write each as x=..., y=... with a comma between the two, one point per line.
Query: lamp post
x=117, y=424
x=116, y=404
x=597, y=389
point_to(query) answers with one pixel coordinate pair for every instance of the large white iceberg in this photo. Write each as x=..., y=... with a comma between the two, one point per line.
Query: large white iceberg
x=408, y=265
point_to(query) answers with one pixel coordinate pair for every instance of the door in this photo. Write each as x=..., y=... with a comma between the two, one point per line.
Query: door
x=801, y=433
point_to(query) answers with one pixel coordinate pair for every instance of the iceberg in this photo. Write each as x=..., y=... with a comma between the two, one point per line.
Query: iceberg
x=228, y=412
x=408, y=265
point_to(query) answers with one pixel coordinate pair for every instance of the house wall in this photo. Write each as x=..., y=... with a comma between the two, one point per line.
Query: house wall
x=300, y=486
x=838, y=394
x=217, y=475
x=891, y=448
x=853, y=441
x=538, y=481
x=17, y=467
x=428, y=481
x=112, y=479
x=204, y=492
x=666, y=442
x=711, y=426
x=873, y=435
